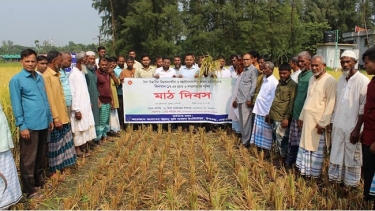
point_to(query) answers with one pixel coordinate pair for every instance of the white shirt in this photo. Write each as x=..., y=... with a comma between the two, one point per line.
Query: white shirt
x=266, y=95
x=294, y=75
x=80, y=101
x=189, y=73
x=224, y=73
x=350, y=101
x=165, y=74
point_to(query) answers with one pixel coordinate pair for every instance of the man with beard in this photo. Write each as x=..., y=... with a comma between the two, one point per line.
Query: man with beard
x=281, y=111
x=294, y=131
x=146, y=70
x=347, y=119
x=165, y=71
x=61, y=152
x=82, y=119
x=137, y=65
x=120, y=66
x=105, y=99
x=243, y=99
x=64, y=78
x=177, y=64
x=91, y=81
x=314, y=118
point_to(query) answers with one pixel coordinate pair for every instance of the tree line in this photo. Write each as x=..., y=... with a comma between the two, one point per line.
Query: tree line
x=277, y=28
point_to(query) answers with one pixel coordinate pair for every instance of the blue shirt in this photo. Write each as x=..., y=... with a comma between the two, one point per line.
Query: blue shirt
x=29, y=101
x=118, y=71
x=64, y=78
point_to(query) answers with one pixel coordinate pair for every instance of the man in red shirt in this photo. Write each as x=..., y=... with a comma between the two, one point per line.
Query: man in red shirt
x=368, y=134
x=105, y=99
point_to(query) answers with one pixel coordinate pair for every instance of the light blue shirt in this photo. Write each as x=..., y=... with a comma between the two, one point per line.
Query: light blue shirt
x=118, y=71
x=64, y=78
x=188, y=73
x=29, y=101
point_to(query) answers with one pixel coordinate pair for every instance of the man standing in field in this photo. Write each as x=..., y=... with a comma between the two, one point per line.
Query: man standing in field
x=82, y=119
x=262, y=131
x=137, y=65
x=177, y=64
x=165, y=71
x=314, y=118
x=91, y=81
x=146, y=71
x=33, y=117
x=281, y=111
x=294, y=131
x=243, y=100
x=189, y=70
x=368, y=134
x=296, y=70
x=41, y=65
x=347, y=119
x=105, y=99
x=64, y=78
x=101, y=53
x=120, y=66
x=61, y=151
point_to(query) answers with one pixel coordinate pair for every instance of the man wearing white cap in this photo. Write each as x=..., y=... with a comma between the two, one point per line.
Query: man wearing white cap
x=346, y=153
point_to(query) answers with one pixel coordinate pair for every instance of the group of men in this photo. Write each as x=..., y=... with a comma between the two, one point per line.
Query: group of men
x=60, y=115
x=299, y=112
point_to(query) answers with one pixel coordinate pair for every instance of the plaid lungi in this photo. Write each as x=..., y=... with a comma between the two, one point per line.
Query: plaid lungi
x=372, y=189
x=61, y=151
x=103, y=127
x=262, y=133
x=350, y=174
x=13, y=191
x=310, y=163
x=294, y=133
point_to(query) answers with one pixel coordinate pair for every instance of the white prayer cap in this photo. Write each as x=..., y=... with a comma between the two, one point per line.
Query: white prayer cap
x=90, y=53
x=349, y=53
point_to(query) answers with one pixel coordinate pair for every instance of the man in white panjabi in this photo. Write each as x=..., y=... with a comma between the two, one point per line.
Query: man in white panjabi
x=82, y=119
x=346, y=153
x=314, y=118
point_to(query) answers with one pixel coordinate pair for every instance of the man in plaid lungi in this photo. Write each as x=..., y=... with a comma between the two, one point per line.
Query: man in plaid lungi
x=346, y=153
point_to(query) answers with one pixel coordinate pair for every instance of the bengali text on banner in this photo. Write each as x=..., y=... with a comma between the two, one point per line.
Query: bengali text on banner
x=174, y=100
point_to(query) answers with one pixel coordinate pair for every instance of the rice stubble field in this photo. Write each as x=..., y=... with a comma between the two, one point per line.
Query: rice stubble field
x=172, y=169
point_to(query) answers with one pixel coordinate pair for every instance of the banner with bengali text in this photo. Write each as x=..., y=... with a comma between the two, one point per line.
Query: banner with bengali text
x=176, y=100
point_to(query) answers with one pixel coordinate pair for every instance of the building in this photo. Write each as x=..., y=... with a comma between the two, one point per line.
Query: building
x=363, y=39
x=332, y=55
x=11, y=58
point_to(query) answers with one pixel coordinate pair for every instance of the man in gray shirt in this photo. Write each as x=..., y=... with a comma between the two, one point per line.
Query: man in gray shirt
x=245, y=93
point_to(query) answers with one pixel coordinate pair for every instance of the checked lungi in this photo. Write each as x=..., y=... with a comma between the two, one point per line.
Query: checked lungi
x=61, y=150
x=310, y=163
x=262, y=133
x=293, y=144
x=12, y=194
x=103, y=127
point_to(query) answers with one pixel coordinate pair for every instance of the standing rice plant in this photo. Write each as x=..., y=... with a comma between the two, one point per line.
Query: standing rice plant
x=193, y=198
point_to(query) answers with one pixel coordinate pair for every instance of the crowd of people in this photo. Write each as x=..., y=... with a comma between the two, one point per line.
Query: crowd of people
x=62, y=115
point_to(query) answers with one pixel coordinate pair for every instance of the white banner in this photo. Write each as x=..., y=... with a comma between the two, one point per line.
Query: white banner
x=176, y=100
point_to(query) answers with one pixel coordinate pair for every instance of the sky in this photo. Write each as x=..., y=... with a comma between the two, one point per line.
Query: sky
x=24, y=21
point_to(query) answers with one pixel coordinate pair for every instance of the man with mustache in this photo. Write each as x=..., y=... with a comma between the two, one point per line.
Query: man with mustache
x=314, y=118
x=346, y=153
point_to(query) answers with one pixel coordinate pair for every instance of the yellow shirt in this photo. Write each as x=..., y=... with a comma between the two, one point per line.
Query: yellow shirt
x=114, y=94
x=55, y=94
